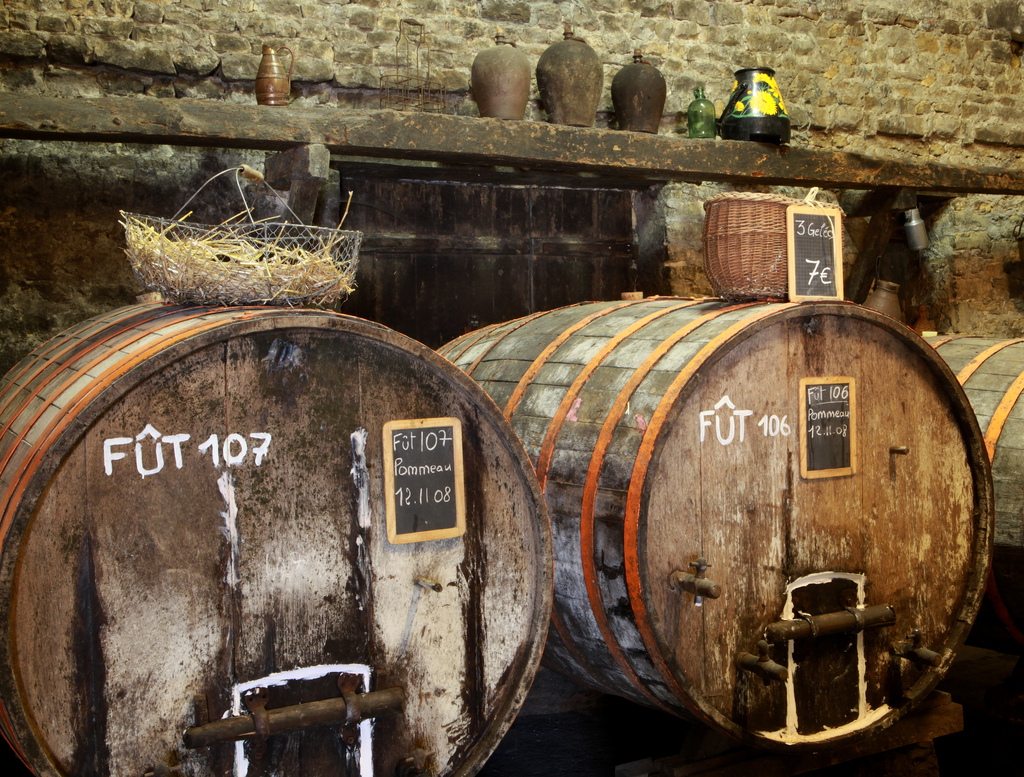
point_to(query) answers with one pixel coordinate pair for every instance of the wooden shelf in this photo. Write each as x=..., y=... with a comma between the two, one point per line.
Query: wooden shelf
x=460, y=140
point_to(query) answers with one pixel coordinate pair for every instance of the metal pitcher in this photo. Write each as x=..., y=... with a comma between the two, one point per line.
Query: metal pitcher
x=273, y=85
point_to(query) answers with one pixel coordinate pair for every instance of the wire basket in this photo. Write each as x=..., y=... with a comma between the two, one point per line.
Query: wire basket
x=745, y=252
x=241, y=263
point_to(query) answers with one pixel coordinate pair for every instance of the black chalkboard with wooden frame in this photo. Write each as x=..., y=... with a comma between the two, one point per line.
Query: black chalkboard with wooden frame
x=828, y=427
x=423, y=480
x=814, y=236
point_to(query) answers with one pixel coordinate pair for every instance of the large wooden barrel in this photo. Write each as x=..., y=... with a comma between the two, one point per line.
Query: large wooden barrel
x=196, y=505
x=816, y=465
x=991, y=371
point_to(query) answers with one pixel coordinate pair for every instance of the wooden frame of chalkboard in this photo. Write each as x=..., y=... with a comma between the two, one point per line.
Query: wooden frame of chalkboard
x=814, y=238
x=424, y=490
x=828, y=427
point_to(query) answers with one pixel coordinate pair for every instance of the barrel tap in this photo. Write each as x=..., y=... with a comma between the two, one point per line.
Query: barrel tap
x=762, y=665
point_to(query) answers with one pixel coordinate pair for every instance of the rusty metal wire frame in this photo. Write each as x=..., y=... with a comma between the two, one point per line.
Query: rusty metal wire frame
x=408, y=86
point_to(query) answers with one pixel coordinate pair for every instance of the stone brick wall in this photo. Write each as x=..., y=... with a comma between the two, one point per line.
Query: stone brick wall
x=940, y=71
x=61, y=246
x=934, y=80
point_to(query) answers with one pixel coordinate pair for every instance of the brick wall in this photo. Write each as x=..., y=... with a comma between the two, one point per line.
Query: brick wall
x=934, y=80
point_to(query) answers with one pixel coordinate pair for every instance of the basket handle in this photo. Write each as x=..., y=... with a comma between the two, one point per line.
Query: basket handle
x=811, y=198
x=250, y=174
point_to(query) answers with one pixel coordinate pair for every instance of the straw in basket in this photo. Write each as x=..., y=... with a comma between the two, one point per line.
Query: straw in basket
x=745, y=251
x=241, y=262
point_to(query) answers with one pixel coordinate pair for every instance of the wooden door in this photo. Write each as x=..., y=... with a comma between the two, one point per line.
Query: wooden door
x=440, y=258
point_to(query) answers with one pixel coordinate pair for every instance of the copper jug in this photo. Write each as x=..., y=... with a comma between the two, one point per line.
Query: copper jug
x=272, y=85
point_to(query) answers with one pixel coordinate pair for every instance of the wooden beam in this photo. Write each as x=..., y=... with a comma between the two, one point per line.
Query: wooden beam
x=483, y=142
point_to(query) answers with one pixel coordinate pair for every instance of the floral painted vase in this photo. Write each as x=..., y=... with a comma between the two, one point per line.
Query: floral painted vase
x=756, y=110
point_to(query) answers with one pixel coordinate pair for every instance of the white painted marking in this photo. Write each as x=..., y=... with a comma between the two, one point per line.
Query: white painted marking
x=705, y=421
x=784, y=734
x=211, y=446
x=773, y=425
x=231, y=458
x=361, y=477
x=149, y=431
x=306, y=673
x=175, y=441
x=234, y=450
x=110, y=456
x=260, y=450
x=230, y=516
x=790, y=732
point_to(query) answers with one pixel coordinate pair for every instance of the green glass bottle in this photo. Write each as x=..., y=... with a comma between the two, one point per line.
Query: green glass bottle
x=701, y=115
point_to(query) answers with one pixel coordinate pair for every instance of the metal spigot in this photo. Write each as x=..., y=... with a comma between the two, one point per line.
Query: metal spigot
x=696, y=584
x=415, y=765
x=762, y=665
x=915, y=651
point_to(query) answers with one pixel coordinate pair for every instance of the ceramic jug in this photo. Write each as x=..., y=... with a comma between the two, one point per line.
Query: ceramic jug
x=756, y=110
x=638, y=95
x=501, y=80
x=570, y=79
x=885, y=299
x=273, y=85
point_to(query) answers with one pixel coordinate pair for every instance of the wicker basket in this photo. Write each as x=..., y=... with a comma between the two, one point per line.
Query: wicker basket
x=745, y=254
x=241, y=264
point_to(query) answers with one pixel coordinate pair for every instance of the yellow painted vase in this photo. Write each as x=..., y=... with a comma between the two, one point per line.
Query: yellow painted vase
x=756, y=110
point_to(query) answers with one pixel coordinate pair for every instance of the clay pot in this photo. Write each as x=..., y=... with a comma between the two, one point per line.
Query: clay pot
x=570, y=79
x=501, y=80
x=638, y=95
x=885, y=299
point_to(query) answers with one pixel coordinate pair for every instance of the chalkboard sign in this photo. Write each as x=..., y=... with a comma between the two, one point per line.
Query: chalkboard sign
x=828, y=427
x=423, y=482
x=815, y=239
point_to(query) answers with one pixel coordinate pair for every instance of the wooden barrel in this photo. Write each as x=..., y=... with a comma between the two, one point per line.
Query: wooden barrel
x=196, y=513
x=991, y=371
x=815, y=466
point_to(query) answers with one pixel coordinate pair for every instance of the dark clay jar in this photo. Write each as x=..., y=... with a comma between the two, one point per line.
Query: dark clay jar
x=570, y=79
x=638, y=95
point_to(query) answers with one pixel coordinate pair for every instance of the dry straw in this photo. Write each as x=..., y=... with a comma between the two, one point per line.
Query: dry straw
x=271, y=263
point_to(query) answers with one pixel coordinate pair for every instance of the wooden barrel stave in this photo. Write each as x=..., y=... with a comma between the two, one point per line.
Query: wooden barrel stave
x=595, y=477
x=991, y=371
x=300, y=598
x=624, y=653
x=616, y=462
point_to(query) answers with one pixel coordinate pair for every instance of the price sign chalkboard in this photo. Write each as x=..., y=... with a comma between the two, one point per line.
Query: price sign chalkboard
x=828, y=427
x=423, y=482
x=815, y=240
